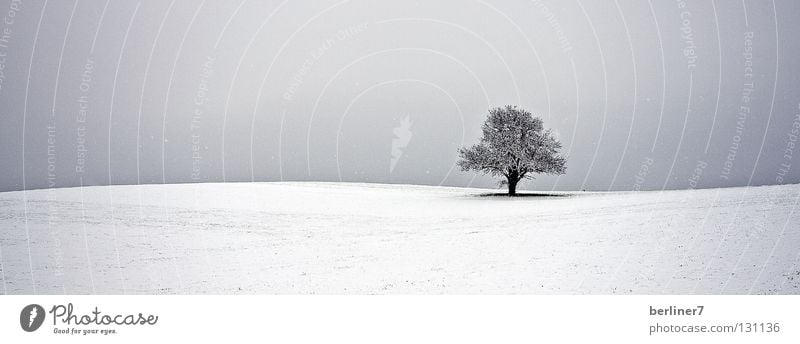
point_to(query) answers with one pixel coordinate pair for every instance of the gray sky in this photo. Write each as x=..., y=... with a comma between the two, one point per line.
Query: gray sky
x=643, y=94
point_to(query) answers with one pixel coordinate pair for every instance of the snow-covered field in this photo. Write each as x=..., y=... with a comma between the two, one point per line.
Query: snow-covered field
x=336, y=238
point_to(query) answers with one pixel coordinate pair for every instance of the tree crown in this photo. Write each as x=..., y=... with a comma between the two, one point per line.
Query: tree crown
x=514, y=145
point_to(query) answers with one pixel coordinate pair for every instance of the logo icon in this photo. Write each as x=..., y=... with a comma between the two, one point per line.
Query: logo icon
x=31, y=317
x=402, y=136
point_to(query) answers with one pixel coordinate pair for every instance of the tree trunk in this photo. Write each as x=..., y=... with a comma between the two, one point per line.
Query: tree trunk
x=512, y=186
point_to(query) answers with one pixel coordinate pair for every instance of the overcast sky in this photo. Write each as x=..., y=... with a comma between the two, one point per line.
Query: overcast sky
x=643, y=94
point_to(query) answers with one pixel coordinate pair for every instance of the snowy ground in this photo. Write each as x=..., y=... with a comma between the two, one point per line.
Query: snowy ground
x=367, y=238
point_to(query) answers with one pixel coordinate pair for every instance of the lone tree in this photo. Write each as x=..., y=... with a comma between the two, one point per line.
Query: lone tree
x=514, y=145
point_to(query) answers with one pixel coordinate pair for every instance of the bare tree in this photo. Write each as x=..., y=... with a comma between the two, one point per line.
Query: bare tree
x=514, y=145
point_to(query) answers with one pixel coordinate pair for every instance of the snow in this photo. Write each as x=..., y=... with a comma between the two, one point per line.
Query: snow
x=344, y=238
